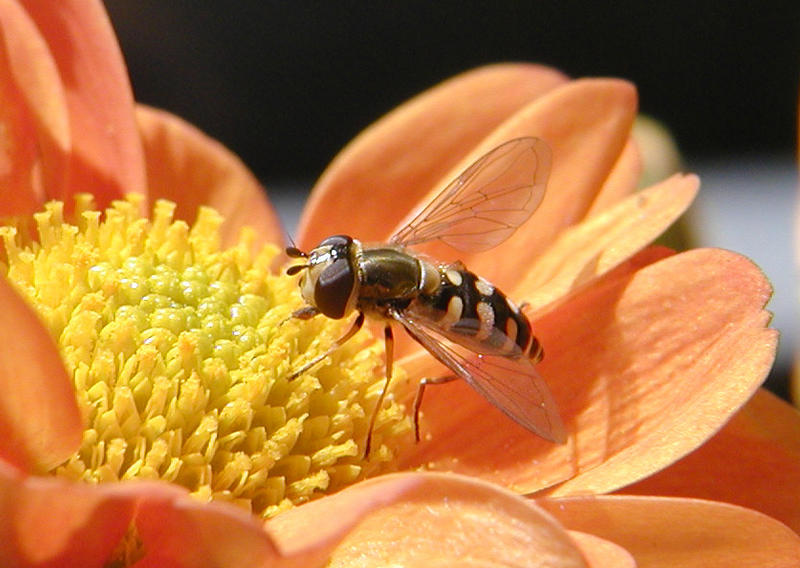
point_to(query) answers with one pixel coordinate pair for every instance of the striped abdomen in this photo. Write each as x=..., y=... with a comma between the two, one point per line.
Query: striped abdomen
x=472, y=312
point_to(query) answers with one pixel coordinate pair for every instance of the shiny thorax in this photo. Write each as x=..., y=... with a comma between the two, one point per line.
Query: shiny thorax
x=389, y=274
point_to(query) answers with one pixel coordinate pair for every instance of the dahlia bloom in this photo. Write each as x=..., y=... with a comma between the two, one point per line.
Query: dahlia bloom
x=142, y=428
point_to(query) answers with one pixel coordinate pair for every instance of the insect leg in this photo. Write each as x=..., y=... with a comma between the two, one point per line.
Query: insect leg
x=303, y=313
x=359, y=321
x=418, y=398
x=388, y=339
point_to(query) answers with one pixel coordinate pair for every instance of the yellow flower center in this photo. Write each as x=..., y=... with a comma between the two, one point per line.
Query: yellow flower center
x=180, y=353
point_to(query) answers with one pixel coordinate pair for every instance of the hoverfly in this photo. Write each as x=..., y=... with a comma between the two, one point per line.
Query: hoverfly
x=458, y=317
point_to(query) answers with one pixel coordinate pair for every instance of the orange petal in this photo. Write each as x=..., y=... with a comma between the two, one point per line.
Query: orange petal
x=754, y=462
x=595, y=246
x=660, y=531
x=650, y=367
x=462, y=432
x=106, y=155
x=427, y=519
x=191, y=169
x=622, y=181
x=33, y=115
x=601, y=553
x=177, y=530
x=645, y=365
x=587, y=124
x=389, y=167
x=46, y=521
x=335, y=516
x=40, y=425
x=49, y=522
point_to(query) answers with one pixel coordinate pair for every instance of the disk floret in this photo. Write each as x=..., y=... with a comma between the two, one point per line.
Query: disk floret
x=181, y=353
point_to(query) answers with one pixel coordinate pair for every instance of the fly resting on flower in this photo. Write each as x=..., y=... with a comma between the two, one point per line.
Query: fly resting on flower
x=460, y=318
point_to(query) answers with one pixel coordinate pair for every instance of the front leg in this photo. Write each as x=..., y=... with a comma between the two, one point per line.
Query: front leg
x=302, y=314
x=359, y=321
x=388, y=340
x=305, y=313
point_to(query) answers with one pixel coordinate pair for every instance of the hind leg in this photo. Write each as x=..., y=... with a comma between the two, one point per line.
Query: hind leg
x=418, y=398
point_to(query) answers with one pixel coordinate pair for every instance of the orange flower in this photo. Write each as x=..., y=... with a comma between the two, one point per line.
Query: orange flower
x=649, y=354
x=70, y=125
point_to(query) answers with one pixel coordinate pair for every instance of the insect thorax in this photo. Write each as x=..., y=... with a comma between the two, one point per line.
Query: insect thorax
x=390, y=273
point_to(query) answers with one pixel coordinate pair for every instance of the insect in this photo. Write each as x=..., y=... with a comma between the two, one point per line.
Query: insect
x=458, y=317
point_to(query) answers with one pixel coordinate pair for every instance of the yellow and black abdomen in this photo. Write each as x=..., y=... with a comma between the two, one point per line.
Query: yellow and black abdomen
x=474, y=313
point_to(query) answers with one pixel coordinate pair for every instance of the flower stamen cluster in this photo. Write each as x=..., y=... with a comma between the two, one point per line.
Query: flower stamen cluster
x=180, y=353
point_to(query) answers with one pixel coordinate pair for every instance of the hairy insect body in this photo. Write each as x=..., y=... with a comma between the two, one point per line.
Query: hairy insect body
x=462, y=320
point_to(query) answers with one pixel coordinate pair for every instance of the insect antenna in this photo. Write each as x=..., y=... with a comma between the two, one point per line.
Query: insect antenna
x=295, y=252
x=292, y=250
x=295, y=268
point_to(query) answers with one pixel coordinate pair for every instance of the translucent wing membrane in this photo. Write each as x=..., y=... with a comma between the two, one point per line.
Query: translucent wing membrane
x=485, y=204
x=497, y=342
x=512, y=385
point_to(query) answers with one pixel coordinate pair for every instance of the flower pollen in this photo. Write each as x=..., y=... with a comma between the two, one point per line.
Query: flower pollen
x=180, y=353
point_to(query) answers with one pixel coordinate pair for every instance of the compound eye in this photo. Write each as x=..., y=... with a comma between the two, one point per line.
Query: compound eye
x=334, y=288
x=336, y=242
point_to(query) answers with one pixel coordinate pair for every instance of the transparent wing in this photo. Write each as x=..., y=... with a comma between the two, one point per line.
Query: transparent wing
x=512, y=385
x=485, y=204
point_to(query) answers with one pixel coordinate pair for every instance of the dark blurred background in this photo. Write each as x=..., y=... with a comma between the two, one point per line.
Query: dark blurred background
x=286, y=84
